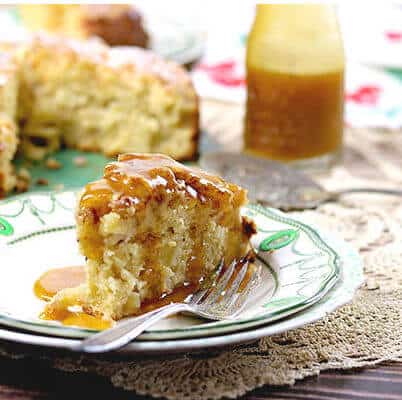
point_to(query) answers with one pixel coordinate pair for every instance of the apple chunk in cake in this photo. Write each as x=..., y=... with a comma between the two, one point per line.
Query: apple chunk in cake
x=152, y=225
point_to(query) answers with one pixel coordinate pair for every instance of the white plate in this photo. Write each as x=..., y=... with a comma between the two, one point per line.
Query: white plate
x=37, y=234
x=176, y=41
x=342, y=293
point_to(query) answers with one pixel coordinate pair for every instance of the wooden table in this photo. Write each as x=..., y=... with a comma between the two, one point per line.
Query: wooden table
x=24, y=379
x=33, y=380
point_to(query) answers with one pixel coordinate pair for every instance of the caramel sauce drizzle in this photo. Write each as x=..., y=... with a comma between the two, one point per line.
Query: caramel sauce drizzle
x=137, y=177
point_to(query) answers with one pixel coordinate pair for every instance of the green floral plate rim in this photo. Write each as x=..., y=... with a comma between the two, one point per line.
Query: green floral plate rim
x=303, y=269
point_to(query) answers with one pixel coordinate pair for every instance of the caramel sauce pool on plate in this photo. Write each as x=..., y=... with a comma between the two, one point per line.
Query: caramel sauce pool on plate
x=57, y=279
x=54, y=280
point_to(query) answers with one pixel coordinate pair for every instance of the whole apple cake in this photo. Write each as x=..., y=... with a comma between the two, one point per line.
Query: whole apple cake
x=56, y=92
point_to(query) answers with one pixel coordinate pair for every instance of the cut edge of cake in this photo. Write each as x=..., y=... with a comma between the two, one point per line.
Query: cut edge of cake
x=8, y=110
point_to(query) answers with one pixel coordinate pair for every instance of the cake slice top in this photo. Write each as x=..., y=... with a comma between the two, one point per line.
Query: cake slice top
x=135, y=179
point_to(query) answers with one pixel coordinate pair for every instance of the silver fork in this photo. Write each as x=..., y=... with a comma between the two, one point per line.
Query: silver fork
x=216, y=302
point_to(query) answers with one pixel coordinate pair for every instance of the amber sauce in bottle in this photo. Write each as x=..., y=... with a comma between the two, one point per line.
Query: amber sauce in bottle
x=295, y=77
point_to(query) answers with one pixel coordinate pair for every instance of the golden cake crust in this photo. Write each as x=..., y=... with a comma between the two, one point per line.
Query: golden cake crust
x=126, y=61
x=135, y=179
x=116, y=24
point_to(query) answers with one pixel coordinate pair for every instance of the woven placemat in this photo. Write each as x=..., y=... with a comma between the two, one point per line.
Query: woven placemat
x=363, y=333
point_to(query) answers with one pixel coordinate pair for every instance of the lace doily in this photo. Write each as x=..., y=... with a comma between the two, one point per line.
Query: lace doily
x=362, y=333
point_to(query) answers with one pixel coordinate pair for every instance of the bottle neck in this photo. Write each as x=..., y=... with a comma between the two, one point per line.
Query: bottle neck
x=296, y=38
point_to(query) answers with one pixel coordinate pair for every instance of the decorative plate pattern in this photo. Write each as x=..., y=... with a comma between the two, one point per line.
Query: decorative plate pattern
x=343, y=292
x=37, y=233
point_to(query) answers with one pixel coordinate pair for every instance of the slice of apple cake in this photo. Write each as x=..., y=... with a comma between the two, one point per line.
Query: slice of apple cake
x=150, y=226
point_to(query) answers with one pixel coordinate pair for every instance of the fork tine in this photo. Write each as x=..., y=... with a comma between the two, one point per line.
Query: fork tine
x=252, y=281
x=234, y=287
x=239, y=301
x=220, y=286
x=198, y=296
x=217, y=273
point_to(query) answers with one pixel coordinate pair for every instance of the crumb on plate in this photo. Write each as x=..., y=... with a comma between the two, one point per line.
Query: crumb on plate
x=52, y=163
x=42, y=182
x=80, y=161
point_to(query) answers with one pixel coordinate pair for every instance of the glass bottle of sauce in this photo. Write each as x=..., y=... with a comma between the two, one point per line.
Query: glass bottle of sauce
x=295, y=77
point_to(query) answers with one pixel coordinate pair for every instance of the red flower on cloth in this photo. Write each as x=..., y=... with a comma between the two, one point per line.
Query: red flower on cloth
x=365, y=95
x=224, y=73
x=394, y=36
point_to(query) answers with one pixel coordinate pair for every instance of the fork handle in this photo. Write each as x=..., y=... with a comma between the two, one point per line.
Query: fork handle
x=124, y=332
x=334, y=196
